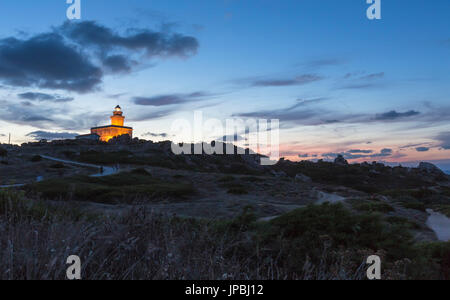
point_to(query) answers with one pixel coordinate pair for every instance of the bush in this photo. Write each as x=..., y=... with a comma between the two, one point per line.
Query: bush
x=305, y=232
x=237, y=191
x=372, y=206
x=414, y=205
x=123, y=187
x=3, y=152
x=36, y=158
x=58, y=166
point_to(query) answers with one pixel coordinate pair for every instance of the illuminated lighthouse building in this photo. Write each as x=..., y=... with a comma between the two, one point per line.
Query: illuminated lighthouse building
x=105, y=133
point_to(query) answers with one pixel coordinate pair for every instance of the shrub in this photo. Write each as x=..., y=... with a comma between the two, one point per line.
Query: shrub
x=36, y=158
x=372, y=206
x=3, y=152
x=414, y=205
x=123, y=187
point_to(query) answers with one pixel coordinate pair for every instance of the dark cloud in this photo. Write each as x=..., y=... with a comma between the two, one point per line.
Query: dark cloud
x=444, y=139
x=299, y=80
x=45, y=135
x=358, y=155
x=235, y=138
x=172, y=99
x=359, y=80
x=359, y=86
x=44, y=97
x=117, y=64
x=393, y=115
x=49, y=117
x=360, y=151
x=303, y=155
x=422, y=149
x=152, y=115
x=46, y=61
x=373, y=76
x=157, y=135
x=76, y=56
x=163, y=44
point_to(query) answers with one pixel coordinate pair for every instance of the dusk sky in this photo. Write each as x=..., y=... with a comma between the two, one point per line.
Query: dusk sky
x=337, y=81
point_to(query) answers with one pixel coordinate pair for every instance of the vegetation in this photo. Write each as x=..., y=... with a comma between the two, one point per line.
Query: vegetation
x=369, y=178
x=137, y=185
x=3, y=152
x=371, y=206
x=36, y=158
x=316, y=242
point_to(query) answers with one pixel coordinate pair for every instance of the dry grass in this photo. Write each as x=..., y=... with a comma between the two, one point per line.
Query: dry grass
x=36, y=239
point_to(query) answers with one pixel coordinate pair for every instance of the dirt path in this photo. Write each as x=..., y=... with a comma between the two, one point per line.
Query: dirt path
x=440, y=224
x=103, y=170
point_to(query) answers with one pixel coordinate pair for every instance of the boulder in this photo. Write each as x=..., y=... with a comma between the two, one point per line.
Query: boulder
x=302, y=178
x=340, y=160
x=430, y=168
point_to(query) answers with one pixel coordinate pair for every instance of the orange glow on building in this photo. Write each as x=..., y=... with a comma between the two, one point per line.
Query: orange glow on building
x=115, y=129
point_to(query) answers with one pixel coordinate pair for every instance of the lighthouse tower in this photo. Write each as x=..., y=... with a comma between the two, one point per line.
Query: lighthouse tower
x=117, y=119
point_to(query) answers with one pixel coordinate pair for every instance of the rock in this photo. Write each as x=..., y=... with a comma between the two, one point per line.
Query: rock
x=430, y=168
x=340, y=160
x=278, y=174
x=302, y=178
x=124, y=139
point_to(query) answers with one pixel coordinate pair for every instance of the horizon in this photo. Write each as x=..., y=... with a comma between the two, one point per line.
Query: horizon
x=369, y=90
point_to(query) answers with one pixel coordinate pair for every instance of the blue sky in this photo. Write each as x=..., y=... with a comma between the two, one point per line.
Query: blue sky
x=338, y=81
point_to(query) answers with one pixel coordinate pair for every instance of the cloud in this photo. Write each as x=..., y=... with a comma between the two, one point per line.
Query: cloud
x=44, y=97
x=171, y=99
x=444, y=139
x=47, y=61
x=422, y=149
x=158, y=135
x=362, y=81
x=234, y=138
x=48, y=117
x=117, y=64
x=360, y=151
x=299, y=80
x=77, y=55
x=162, y=44
x=392, y=115
x=351, y=154
x=153, y=115
x=45, y=135
x=373, y=76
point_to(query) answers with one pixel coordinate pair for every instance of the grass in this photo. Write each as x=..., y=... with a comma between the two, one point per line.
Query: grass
x=414, y=205
x=317, y=242
x=123, y=187
x=371, y=206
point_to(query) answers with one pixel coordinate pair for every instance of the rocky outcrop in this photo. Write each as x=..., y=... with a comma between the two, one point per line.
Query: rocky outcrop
x=340, y=160
x=430, y=169
x=302, y=178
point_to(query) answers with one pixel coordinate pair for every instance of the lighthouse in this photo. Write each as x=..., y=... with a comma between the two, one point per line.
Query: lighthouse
x=116, y=128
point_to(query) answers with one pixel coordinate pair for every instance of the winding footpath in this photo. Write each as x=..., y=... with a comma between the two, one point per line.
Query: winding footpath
x=105, y=171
